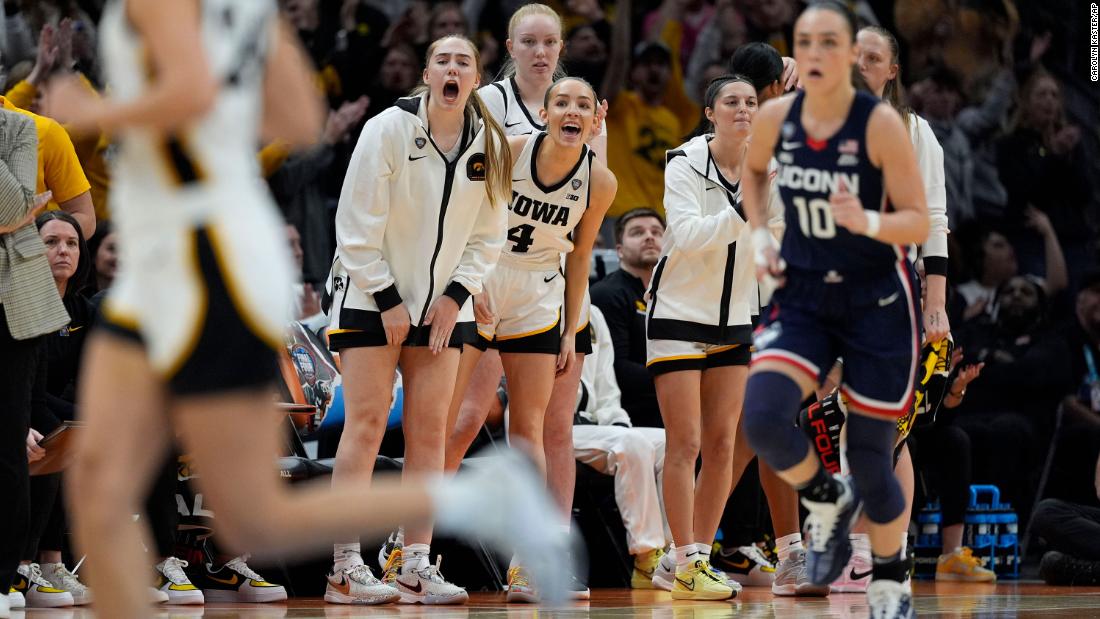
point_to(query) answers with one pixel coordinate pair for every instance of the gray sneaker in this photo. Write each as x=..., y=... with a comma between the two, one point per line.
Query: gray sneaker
x=791, y=577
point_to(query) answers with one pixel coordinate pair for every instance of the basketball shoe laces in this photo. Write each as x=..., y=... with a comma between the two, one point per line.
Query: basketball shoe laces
x=755, y=554
x=238, y=565
x=966, y=556
x=360, y=574
x=822, y=523
x=35, y=577
x=173, y=570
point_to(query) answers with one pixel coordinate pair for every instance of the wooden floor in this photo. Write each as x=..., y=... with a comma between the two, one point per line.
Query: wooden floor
x=932, y=600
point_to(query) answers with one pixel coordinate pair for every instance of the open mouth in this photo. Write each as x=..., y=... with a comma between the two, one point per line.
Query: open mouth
x=571, y=129
x=815, y=73
x=450, y=91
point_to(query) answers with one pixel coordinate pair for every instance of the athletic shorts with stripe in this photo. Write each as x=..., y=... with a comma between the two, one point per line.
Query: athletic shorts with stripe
x=208, y=305
x=872, y=323
x=663, y=356
x=527, y=307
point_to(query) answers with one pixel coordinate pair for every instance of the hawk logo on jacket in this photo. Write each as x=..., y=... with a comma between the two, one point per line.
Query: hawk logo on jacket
x=475, y=167
x=420, y=142
x=538, y=210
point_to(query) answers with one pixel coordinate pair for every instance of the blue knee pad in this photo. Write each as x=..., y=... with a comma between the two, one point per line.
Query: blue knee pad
x=769, y=413
x=871, y=460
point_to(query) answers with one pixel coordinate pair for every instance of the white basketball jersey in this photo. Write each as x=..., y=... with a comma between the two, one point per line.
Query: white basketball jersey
x=541, y=218
x=210, y=165
x=506, y=105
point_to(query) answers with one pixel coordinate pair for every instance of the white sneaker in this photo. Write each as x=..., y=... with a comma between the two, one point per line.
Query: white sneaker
x=5, y=607
x=791, y=577
x=357, y=585
x=890, y=600
x=394, y=541
x=59, y=575
x=156, y=596
x=856, y=575
x=826, y=532
x=726, y=578
x=502, y=500
x=40, y=593
x=16, y=599
x=171, y=579
x=426, y=585
x=664, y=575
x=236, y=582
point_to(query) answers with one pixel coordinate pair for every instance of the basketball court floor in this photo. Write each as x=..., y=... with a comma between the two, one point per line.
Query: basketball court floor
x=932, y=600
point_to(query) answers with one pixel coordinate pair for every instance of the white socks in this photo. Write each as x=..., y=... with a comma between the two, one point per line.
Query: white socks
x=346, y=556
x=414, y=557
x=784, y=545
x=685, y=556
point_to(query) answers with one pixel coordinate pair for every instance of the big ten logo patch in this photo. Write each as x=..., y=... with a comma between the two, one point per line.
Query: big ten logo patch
x=475, y=167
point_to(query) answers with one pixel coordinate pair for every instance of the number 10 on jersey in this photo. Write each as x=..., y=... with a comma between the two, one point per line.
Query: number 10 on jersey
x=816, y=218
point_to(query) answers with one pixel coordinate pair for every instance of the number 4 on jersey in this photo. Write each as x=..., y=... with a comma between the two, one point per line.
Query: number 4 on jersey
x=521, y=235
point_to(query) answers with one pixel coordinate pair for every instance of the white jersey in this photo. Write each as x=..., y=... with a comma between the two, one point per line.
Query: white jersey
x=209, y=166
x=504, y=103
x=541, y=218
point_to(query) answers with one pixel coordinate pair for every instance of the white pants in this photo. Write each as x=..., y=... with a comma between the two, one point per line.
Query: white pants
x=636, y=458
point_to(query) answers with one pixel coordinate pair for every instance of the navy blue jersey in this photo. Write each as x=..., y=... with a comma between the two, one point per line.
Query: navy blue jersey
x=809, y=172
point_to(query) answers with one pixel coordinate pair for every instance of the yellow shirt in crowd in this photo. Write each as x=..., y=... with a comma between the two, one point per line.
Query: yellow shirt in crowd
x=59, y=168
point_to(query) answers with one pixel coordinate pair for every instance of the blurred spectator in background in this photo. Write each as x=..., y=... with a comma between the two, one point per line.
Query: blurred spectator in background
x=771, y=22
x=103, y=250
x=719, y=38
x=694, y=15
x=1009, y=411
x=1042, y=166
x=648, y=115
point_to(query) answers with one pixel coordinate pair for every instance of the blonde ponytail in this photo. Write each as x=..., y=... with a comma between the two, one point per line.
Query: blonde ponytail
x=498, y=155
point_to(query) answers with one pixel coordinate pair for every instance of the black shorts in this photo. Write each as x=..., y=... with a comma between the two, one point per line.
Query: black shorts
x=544, y=342
x=227, y=354
x=363, y=328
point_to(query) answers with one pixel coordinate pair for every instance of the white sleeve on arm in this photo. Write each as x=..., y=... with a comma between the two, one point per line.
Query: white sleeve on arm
x=481, y=253
x=930, y=162
x=364, y=208
x=684, y=196
x=600, y=376
x=493, y=98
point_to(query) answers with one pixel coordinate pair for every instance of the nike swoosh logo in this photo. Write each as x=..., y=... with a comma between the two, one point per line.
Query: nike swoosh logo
x=230, y=581
x=740, y=565
x=411, y=158
x=689, y=584
x=791, y=145
x=854, y=575
x=549, y=279
x=71, y=329
x=417, y=589
x=343, y=586
x=883, y=302
x=509, y=126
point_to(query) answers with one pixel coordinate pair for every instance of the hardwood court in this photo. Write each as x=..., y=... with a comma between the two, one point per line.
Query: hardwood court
x=950, y=600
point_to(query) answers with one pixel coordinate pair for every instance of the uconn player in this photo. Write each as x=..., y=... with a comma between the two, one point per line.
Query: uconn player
x=703, y=299
x=853, y=201
x=195, y=317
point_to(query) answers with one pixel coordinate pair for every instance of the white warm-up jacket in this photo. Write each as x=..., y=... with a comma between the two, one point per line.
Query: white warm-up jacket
x=411, y=225
x=704, y=286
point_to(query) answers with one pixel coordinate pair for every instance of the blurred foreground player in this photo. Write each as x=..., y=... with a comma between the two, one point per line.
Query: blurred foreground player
x=196, y=313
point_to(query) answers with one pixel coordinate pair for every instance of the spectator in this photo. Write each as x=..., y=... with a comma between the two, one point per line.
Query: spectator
x=621, y=298
x=718, y=40
x=31, y=308
x=604, y=439
x=1042, y=164
x=770, y=21
x=103, y=249
x=937, y=98
x=399, y=74
x=1008, y=425
x=586, y=52
x=994, y=262
x=650, y=117
x=695, y=15
x=1069, y=519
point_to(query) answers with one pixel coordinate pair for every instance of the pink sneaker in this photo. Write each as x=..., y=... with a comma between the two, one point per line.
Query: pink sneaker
x=856, y=575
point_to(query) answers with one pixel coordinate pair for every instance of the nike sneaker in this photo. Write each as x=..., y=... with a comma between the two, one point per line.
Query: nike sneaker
x=664, y=575
x=645, y=564
x=730, y=582
x=826, y=532
x=1059, y=568
x=16, y=599
x=746, y=564
x=963, y=566
x=426, y=585
x=791, y=577
x=519, y=587
x=391, y=567
x=236, y=582
x=856, y=575
x=62, y=578
x=39, y=592
x=395, y=541
x=890, y=599
x=357, y=585
x=700, y=583
x=171, y=579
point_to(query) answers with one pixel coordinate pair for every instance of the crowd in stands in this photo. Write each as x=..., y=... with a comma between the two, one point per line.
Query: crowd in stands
x=1003, y=85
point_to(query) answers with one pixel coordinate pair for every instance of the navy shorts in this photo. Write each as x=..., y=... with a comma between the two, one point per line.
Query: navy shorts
x=872, y=323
